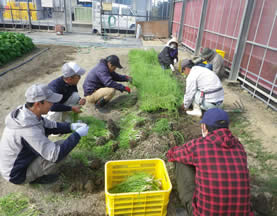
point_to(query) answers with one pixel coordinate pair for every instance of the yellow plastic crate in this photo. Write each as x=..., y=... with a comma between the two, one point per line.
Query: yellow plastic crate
x=152, y=203
x=220, y=52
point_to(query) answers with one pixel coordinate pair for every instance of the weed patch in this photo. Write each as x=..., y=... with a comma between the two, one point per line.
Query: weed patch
x=162, y=126
x=127, y=131
x=17, y=204
x=157, y=89
x=262, y=169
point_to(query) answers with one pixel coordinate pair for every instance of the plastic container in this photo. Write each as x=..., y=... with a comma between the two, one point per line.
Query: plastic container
x=220, y=52
x=152, y=203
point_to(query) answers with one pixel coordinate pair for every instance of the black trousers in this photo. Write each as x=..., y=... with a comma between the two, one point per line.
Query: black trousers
x=185, y=177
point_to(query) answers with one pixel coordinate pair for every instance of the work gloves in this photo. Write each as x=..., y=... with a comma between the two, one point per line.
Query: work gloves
x=83, y=131
x=175, y=61
x=80, y=128
x=127, y=89
x=130, y=79
x=172, y=68
x=75, y=126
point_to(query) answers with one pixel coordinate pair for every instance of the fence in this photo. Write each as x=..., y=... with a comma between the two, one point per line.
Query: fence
x=245, y=29
x=24, y=15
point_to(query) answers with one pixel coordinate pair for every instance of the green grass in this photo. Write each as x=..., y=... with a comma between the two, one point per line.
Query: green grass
x=127, y=131
x=17, y=204
x=157, y=89
x=262, y=169
x=162, y=126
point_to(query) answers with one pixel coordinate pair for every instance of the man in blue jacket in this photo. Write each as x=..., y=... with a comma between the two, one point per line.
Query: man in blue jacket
x=66, y=85
x=26, y=154
x=100, y=84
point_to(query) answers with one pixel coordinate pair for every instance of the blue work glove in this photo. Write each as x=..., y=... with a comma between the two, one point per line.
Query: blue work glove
x=75, y=126
x=83, y=131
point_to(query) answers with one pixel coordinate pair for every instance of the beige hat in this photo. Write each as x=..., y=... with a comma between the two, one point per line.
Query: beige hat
x=41, y=92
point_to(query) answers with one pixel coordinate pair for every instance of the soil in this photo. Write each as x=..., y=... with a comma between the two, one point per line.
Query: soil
x=80, y=189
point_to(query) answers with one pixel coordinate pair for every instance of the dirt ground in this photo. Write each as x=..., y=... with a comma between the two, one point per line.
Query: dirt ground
x=46, y=67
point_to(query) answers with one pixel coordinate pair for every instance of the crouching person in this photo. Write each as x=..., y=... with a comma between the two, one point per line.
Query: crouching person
x=66, y=85
x=26, y=154
x=211, y=171
x=203, y=89
x=101, y=82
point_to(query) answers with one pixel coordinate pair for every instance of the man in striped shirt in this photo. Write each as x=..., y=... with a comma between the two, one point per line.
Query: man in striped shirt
x=211, y=171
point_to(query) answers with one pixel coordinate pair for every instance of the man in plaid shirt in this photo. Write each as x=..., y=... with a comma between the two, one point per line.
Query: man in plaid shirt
x=211, y=171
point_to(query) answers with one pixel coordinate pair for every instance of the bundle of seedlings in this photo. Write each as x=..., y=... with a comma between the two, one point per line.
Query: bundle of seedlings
x=138, y=182
x=157, y=88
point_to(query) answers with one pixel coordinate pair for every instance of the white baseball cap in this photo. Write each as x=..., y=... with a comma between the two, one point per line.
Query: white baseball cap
x=71, y=68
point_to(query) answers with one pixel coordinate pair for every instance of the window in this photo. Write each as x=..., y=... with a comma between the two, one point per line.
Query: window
x=115, y=10
x=126, y=11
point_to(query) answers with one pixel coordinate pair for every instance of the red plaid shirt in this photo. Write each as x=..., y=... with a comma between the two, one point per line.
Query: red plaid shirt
x=222, y=177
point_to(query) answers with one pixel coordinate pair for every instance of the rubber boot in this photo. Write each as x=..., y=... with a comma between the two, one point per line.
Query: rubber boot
x=100, y=103
x=196, y=111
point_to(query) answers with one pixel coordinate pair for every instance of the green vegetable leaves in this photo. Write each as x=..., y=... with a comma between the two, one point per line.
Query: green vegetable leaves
x=13, y=45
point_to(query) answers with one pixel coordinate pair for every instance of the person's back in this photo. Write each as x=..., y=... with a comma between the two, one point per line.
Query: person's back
x=217, y=63
x=218, y=161
x=222, y=179
x=92, y=81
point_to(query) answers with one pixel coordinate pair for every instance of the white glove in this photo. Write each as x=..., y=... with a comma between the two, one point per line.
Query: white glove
x=175, y=61
x=83, y=131
x=75, y=126
x=172, y=67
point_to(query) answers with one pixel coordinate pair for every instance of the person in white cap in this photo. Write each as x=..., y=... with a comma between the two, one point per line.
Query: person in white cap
x=203, y=89
x=169, y=55
x=66, y=85
x=26, y=154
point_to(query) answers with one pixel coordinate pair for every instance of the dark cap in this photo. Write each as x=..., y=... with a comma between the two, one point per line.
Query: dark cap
x=186, y=63
x=114, y=60
x=215, y=117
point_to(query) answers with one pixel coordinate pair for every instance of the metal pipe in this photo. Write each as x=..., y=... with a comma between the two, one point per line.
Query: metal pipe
x=255, y=75
x=240, y=46
x=223, y=35
x=251, y=51
x=263, y=46
x=201, y=27
x=270, y=34
x=234, y=31
x=257, y=89
x=220, y=22
x=65, y=14
x=271, y=91
x=180, y=36
x=270, y=105
x=191, y=26
x=29, y=16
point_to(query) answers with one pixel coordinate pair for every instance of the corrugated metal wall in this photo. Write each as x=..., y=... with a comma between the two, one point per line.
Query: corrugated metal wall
x=191, y=22
x=222, y=29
